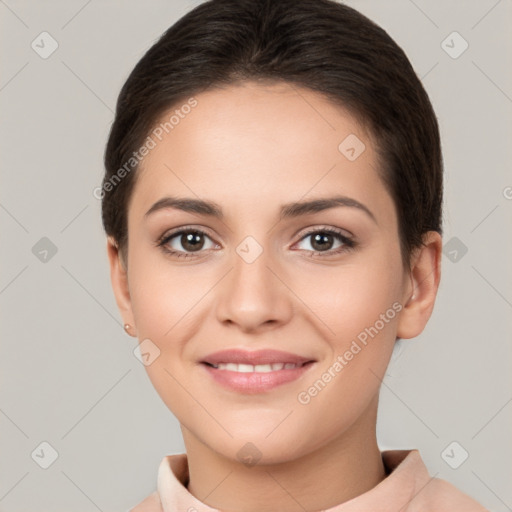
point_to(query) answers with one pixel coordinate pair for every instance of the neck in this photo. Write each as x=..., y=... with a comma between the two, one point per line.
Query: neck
x=344, y=468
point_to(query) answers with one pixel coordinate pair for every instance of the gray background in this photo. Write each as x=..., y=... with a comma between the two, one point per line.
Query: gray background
x=68, y=373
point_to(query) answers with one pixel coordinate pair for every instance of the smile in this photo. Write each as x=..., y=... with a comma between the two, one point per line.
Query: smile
x=259, y=368
x=252, y=379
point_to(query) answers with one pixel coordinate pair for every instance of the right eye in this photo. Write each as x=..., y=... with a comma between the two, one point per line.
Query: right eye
x=185, y=242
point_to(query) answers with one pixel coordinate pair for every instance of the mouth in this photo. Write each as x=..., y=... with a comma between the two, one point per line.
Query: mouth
x=252, y=372
x=259, y=368
x=260, y=358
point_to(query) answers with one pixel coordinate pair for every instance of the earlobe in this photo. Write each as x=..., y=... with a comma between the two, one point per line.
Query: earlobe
x=119, y=280
x=420, y=295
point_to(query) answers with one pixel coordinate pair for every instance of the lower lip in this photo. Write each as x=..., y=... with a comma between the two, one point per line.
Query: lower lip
x=256, y=382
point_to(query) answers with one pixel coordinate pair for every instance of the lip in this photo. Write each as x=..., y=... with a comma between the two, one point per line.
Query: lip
x=255, y=382
x=254, y=357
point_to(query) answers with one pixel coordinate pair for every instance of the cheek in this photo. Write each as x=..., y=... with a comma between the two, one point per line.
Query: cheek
x=164, y=295
x=166, y=302
x=346, y=299
x=356, y=307
x=360, y=307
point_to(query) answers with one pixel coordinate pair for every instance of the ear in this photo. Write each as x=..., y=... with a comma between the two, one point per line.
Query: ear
x=119, y=280
x=420, y=294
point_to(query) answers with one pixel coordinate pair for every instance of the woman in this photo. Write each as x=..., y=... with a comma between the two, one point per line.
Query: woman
x=272, y=201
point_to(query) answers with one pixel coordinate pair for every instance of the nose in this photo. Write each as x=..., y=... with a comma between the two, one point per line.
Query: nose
x=253, y=295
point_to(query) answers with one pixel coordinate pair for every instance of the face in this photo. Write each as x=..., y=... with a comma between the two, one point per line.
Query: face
x=256, y=270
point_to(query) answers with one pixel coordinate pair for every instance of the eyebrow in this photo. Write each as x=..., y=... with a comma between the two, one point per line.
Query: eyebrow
x=288, y=210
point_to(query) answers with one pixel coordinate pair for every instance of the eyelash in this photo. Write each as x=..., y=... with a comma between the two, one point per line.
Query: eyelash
x=348, y=243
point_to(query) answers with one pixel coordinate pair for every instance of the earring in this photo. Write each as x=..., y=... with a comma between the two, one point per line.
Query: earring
x=127, y=328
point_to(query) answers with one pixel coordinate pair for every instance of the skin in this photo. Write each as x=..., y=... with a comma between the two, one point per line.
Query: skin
x=251, y=148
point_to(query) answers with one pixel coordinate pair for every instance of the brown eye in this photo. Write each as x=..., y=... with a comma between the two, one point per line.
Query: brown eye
x=328, y=241
x=321, y=241
x=185, y=241
x=193, y=241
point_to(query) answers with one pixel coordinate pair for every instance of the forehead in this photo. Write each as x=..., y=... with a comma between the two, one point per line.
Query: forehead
x=254, y=146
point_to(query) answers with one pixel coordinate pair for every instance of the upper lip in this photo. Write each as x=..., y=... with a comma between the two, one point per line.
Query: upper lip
x=254, y=357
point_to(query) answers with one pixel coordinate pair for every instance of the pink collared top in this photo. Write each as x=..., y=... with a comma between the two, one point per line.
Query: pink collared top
x=407, y=488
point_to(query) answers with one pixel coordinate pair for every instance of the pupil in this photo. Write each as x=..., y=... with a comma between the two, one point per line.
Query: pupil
x=193, y=241
x=322, y=240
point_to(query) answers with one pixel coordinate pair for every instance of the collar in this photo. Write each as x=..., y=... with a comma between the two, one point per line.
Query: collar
x=407, y=475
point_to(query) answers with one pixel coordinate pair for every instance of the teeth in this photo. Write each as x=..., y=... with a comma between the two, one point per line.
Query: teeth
x=260, y=368
x=244, y=368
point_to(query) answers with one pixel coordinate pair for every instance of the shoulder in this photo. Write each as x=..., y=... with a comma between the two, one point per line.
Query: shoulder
x=423, y=492
x=150, y=504
x=443, y=496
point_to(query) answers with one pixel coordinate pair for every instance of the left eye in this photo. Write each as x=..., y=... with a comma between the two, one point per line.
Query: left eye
x=324, y=241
